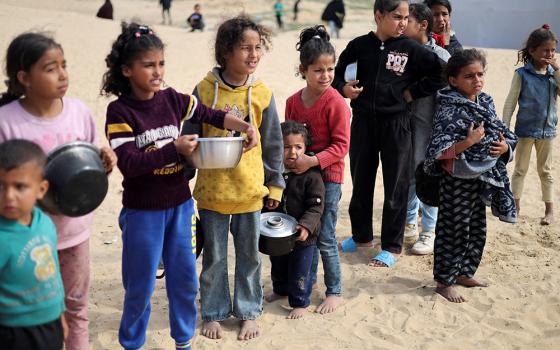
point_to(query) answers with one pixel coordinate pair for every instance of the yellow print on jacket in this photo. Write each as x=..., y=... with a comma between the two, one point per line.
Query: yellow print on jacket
x=45, y=266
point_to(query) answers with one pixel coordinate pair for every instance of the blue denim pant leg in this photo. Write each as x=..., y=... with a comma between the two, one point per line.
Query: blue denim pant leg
x=215, y=300
x=291, y=275
x=412, y=206
x=429, y=217
x=248, y=293
x=326, y=242
x=429, y=214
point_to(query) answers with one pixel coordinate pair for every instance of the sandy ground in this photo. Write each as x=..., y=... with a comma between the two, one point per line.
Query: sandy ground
x=385, y=308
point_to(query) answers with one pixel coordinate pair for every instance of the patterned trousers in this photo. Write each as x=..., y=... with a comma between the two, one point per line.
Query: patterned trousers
x=460, y=229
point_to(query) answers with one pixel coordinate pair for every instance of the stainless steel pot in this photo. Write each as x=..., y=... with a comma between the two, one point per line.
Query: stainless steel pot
x=217, y=152
x=278, y=234
x=77, y=179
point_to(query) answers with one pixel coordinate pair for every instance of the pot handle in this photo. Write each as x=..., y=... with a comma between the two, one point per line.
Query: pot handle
x=294, y=237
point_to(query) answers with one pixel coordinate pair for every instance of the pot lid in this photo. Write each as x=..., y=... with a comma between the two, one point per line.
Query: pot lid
x=277, y=225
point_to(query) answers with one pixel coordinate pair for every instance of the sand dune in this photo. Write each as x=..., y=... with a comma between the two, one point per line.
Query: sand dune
x=386, y=308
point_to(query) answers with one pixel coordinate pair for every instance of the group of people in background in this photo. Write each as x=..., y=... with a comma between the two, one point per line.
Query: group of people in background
x=402, y=114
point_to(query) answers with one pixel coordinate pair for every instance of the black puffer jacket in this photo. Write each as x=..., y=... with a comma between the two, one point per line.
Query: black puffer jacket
x=386, y=70
x=303, y=199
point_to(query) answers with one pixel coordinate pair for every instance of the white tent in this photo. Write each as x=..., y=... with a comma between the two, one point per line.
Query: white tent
x=502, y=23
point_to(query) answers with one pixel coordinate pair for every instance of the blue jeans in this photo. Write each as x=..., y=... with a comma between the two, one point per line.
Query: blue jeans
x=215, y=299
x=147, y=236
x=326, y=243
x=291, y=275
x=334, y=30
x=429, y=214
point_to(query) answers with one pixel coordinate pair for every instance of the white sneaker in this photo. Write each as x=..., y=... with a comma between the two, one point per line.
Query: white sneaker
x=410, y=232
x=425, y=243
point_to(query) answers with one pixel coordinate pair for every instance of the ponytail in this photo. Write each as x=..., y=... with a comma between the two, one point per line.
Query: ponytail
x=536, y=39
x=313, y=42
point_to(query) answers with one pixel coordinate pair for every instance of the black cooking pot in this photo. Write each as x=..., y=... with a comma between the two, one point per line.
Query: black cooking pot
x=77, y=179
x=427, y=186
x=278, y=234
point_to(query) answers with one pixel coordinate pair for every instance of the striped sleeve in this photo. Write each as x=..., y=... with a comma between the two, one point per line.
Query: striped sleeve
x=119, y=134
x=191, y=107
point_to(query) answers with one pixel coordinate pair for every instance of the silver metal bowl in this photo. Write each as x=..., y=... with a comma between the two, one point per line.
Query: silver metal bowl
x=217, y=152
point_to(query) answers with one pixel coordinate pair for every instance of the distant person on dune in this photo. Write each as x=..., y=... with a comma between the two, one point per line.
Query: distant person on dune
x=334, y=16
x=106, y=10
x=296, y=9
x=165, y=8
x=195, y=19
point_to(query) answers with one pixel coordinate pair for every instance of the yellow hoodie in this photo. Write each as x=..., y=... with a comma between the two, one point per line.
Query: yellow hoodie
x=259, y=173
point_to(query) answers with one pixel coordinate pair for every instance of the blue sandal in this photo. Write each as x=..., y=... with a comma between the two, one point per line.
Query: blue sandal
x=348, y=245
x=386, y=258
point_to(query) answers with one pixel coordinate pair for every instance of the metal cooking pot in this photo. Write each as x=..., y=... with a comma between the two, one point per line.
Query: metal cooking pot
x=77, y=179
x=217, y=152
x=278, y=234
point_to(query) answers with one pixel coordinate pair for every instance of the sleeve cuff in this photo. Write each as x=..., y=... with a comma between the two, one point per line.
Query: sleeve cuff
x=275, y=193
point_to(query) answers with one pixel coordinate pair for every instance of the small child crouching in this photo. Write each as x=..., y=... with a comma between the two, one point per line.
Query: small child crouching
x=303, y=199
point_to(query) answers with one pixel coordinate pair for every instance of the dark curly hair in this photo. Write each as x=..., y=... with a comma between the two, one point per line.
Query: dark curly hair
x=24, y=51
x=536, y=39
x=291, y=127
x=230, y=33
x=134, y=40
x=462, y=59
x=313, y=42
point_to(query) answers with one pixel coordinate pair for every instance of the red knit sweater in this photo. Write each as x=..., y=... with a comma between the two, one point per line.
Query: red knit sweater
x=328, y=121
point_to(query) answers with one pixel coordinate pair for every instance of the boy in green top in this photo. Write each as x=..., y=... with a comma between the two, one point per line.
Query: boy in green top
x=31, y=292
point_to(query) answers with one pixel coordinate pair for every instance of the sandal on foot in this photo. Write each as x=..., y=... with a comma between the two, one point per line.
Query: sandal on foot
x=348, y=245
x=385, y=258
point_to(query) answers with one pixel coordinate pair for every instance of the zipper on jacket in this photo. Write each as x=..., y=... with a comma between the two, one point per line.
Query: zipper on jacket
x=376, y=77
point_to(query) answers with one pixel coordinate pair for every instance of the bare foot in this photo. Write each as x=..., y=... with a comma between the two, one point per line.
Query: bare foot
x=449, y=293
x=330, y=304
x=517, y=206
x=470, y=282
x=211, y=330
x=273, y=297
x=297, y=312
x=249, y=330
x=548, y=214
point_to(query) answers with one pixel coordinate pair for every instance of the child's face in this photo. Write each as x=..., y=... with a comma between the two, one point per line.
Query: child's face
x=393, y=24
x=470, y=80
x=441, y=17
x=47, y=78
x=145, y=74
x=415, y=30
x=246, y=54
x=20, y=188
x=542, y=54
x=320, y=74
x=294, y=147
